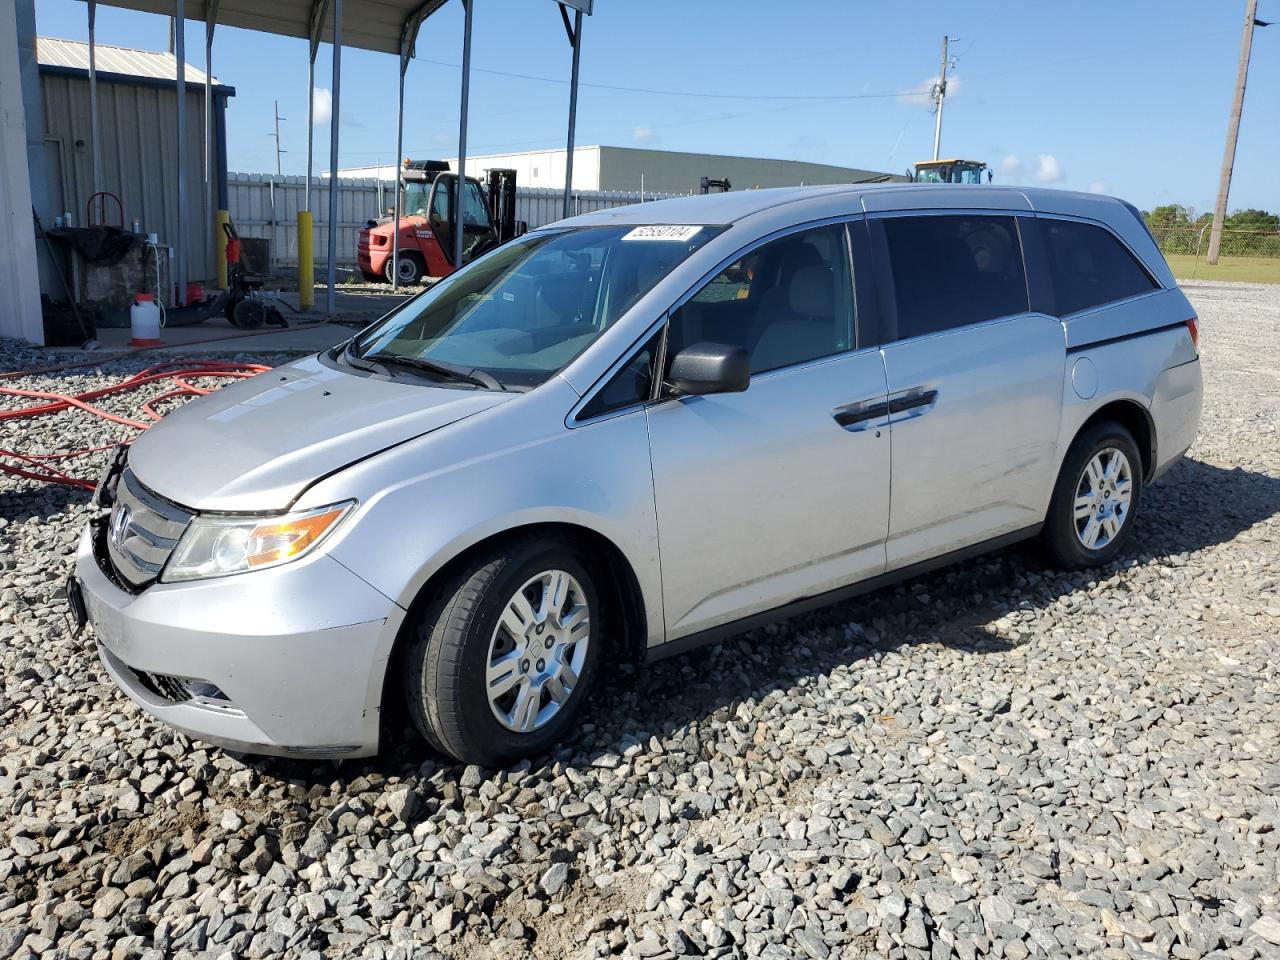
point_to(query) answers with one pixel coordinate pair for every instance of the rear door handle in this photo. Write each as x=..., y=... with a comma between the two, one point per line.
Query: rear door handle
x=859, y=416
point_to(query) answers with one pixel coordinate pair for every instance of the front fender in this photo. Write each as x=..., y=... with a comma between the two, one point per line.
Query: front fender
x=426, y=502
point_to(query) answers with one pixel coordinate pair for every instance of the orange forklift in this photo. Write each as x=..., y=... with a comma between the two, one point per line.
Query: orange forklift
x=428, y=220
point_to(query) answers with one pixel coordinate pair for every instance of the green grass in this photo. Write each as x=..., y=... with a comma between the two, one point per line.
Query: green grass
x=1245, y=269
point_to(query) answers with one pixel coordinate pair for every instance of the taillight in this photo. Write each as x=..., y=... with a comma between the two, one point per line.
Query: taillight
x=1193, y=327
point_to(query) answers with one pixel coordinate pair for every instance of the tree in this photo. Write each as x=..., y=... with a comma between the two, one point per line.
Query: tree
x=1256, y=220
x=1169, y=215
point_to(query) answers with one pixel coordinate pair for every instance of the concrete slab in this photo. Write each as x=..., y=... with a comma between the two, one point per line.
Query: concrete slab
x=307, y=332
x=218, y=336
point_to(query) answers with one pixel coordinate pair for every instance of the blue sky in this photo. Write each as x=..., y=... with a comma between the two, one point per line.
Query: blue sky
x=1129, y=98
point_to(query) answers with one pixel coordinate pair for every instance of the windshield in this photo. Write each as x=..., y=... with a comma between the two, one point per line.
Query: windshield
x=415, y=199
x=523, y=311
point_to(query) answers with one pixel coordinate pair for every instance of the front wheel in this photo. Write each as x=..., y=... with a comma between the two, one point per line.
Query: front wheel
x=501, y=661
x=1096, y=498
x=412, y=269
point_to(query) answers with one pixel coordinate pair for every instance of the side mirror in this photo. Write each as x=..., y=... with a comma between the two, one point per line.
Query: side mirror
x=703, y=368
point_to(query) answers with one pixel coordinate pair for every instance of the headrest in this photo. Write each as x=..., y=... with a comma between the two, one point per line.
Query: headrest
x=810, y=293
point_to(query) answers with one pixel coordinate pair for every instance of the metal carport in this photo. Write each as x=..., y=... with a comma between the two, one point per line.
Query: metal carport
x=386, y=26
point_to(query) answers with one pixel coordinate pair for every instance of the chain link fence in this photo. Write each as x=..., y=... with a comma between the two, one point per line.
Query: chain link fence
x=1194, y=241
x=1244, y=255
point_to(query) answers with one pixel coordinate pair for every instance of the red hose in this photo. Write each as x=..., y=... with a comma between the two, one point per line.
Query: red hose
x=178, y=371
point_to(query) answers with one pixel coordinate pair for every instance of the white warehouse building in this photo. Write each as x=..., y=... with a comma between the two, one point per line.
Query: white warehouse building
x=656, y=171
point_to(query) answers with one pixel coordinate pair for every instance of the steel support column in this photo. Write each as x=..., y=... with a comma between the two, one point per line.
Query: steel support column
x=306, y=232
x=179, y=271
x=575, y=39
x=405, y=53
x=210, y=22
x=460, y=220
x=331, y=267
x=408, y=47
x=95, y=144
x=319, y=10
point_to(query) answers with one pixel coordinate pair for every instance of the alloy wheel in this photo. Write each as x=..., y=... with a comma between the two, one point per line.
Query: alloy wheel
x=537, y=651
x=1104, y=493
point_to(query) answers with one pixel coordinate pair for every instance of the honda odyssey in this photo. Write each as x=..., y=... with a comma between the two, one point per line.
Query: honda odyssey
x=627, y=434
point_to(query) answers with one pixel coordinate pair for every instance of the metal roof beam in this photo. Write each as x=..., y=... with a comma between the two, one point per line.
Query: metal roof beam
x=319, y=13
x=409, y=32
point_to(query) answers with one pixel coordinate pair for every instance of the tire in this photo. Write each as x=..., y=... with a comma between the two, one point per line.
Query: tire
x=1106, y=518
x=412, y=268
x=467, y=627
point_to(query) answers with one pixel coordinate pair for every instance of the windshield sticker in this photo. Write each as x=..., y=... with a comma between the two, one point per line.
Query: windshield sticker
x=657, y=231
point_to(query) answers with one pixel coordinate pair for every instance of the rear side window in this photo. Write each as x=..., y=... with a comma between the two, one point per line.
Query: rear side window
x=952, y=271
x=1088, y=266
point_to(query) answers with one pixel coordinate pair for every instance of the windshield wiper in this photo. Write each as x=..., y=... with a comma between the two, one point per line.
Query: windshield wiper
x=360, y=363
x=444, y=371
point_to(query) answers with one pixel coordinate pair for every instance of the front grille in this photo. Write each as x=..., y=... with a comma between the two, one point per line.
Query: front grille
x=141, y=532
x=181, y=689
x=173, y=689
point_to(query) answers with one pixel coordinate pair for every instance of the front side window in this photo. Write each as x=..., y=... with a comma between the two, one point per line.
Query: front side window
x=525, y=310
x=951, y=271
x=786, y=302
x=1088, y=266
x=628, y=387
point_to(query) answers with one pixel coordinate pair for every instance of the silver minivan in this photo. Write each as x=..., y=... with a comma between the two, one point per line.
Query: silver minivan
x=627, y=434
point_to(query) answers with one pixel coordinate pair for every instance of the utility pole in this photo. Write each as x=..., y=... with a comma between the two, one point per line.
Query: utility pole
x=1233, y=131
x=940, y=95
x=277, y=136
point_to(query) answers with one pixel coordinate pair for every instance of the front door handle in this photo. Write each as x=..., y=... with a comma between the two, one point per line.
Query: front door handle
x=914, y=403
x=859, y=416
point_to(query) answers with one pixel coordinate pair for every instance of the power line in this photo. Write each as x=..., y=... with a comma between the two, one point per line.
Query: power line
x=685, y=93
x=664, y=126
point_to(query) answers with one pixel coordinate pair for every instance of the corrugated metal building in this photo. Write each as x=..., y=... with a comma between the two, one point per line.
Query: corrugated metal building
x=138, y=124
x=663, y=171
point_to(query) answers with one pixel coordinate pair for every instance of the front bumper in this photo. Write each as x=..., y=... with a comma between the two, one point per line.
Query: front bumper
x=371, y=259
x=288, y=661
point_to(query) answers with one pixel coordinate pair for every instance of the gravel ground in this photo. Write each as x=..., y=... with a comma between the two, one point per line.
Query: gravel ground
x=996, y=760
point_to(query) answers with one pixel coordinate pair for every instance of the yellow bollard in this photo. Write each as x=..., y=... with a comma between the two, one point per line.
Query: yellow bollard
x=306, y=263
x=220, y=244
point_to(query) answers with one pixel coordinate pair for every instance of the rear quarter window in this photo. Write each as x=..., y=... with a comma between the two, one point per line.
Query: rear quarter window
x=1089, y=267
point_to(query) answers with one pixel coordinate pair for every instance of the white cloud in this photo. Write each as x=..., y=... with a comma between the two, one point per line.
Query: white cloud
x=1098, y=186
x=1048, y=170
x=1010, y=166
x=643, y=135
x=322, y=110
x=321, y=106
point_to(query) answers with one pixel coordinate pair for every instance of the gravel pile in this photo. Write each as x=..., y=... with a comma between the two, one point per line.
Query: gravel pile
x=996, y=760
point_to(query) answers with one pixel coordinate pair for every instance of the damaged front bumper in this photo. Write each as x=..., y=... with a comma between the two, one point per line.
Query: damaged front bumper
x=288, y=661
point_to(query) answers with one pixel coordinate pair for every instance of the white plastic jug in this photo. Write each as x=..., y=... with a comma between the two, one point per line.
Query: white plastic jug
x=145, y=320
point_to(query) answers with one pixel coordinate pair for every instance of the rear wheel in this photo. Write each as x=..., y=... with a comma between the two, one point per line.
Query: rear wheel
x=412, y=269
x=1096, y=498
x=501, y=662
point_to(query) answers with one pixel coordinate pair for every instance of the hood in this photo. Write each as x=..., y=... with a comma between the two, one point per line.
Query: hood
x=258, y=443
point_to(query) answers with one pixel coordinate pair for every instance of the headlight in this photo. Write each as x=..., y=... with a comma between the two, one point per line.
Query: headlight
x=214, y=546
